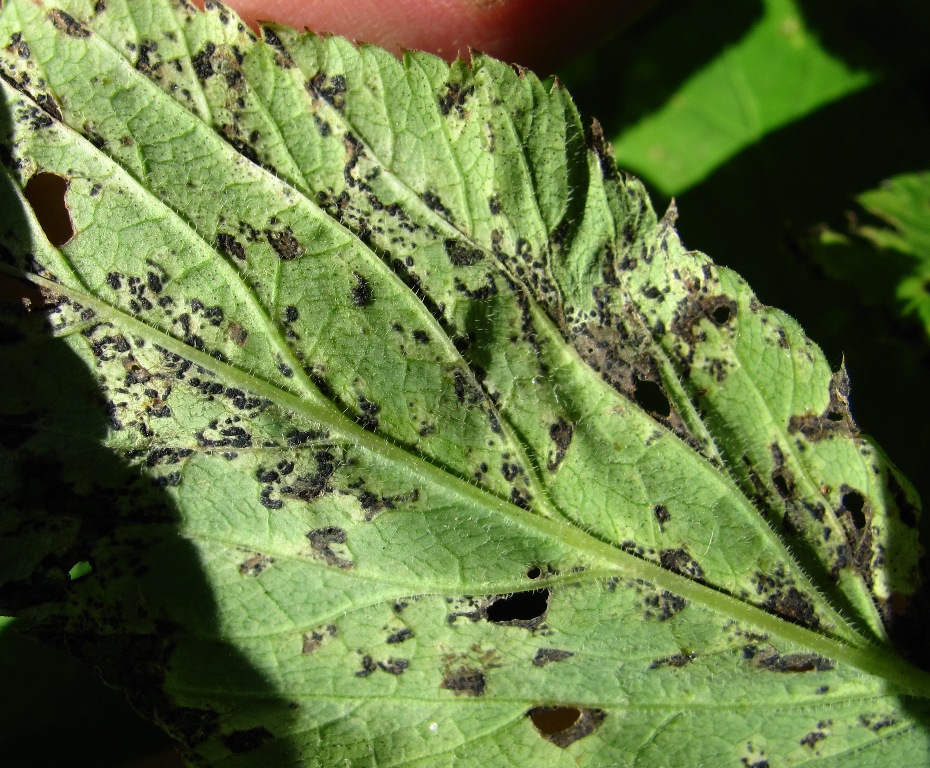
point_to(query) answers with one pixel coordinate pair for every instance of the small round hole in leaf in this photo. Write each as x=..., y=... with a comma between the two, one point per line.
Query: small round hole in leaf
x=534, y=573
x=650, y=397
x=522, y=606
x=835, y=416
x=721, y=314
x=46, y=194
x=854, y=503
x=552, y=720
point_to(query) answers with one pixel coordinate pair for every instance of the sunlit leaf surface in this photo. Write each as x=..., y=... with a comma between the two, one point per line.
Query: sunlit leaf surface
x=362, y=413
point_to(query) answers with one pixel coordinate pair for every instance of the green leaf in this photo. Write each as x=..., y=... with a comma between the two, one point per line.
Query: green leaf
x=770, y=71
x=397, y=429
x=888, y=261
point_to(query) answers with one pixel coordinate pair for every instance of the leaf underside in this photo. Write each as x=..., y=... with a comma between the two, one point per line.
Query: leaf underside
x=344, y=352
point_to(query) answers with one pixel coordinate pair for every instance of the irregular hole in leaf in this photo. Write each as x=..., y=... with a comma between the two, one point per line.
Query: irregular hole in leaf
x=835, y=416
x=854, y=503
x=46, y=194
x=550, y=720
x=522, y=606
x=562, y=725
x=781, y=484
x=650, y=397
x=534, y=572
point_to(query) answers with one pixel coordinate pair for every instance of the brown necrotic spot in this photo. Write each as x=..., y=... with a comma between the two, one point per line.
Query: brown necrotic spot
x=461, y=255
x=562, y=725
x=313, y=640
x=561, y=434
x=546, y=656
x=361, y=291
x=680, y=561
x=322, y=541
x=228, y=244
x=237, y=334
x=766, y=657
x=255, y=565
x=677, y=660
x=284, y=243
x=67, y=24
x=464, y=681
x=662, y=515
x=46, y=194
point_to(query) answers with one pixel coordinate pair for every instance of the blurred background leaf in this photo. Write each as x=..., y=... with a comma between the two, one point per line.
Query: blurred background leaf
x=885, y=254
x=765, y=119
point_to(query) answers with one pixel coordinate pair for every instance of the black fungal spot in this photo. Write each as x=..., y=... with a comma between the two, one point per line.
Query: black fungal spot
x=563, y=726
x=561, y=434
x=331, y=89
x=284, y=244
x=313, y=640
x=876, y=723
x=464, y=681
x=239, y=742
x=677, y=660
x=662, y=515
x=368, y=667
x=812, y=739
x=361, y=292
x=521, y=608
x=255, y=565
x=400, y=636
x=663, y=605
x=46, y=194
x=680, y=561
x=290, y=314
x=455, y=97
x=766, y=657
x=394, y=666
x=420, y=337
x=461, y=255
x=322, y=540
x=226, y=243
x=67, y=24
x=546, y=656
x=368, y=418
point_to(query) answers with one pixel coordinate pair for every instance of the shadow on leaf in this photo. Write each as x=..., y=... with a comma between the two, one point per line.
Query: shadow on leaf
x=138, y=609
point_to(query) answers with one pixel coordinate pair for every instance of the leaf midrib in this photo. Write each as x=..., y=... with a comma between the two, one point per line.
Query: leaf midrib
x=867, y=657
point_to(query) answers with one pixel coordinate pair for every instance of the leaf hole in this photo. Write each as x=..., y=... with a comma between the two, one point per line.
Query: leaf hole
x=854, y=503
x=534, y=572
x=650, y=397
x=552, y=720
x=522, y=606
x=722, y=314
x=781, y=484
x=46, y=194
x=835, y=416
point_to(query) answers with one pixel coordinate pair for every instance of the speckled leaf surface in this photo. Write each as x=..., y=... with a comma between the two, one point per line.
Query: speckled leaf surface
x=344, y=352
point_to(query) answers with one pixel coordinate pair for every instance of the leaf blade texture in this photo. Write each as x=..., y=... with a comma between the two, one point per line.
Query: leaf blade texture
x=380, y=344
